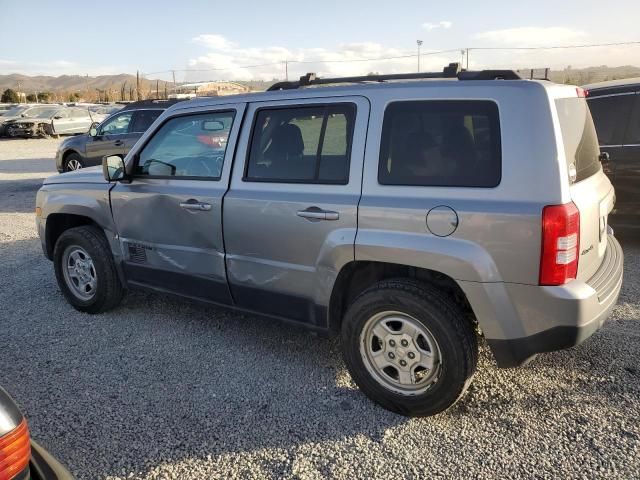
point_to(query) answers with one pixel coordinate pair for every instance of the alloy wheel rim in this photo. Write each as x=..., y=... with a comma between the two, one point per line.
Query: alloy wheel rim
x=400, y=353
x=79, y=272
x=74, y=164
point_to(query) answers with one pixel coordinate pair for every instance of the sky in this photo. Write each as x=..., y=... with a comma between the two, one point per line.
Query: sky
x=215, y=40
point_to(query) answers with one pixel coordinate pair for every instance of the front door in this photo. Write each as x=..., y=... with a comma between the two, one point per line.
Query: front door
x=290, y=216
x=169, y=218
x=110, y=138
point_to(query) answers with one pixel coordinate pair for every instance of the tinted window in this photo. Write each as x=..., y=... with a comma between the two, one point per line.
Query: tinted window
x=633, y=130
x=441, y=143
x=143, y=119
x=302, y=144
x=611, y=115
x=116, y=125
x=188, y=146
x=579, y=136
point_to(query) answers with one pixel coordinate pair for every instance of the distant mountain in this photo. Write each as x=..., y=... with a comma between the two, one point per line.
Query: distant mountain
x=65, y=85
x=111, y=86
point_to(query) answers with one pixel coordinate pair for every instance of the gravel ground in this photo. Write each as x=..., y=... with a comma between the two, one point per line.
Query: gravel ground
x=162, y=388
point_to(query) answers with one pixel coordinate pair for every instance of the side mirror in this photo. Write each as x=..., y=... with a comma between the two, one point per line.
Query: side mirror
x=57, y=117
x=113, y=168
x=93, y=130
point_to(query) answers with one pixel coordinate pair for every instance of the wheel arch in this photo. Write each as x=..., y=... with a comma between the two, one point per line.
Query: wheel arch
x=356, y=276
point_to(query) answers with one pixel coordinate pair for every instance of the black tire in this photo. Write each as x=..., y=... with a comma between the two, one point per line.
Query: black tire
x=72, y=157
x=434, y=309
x=109, y=290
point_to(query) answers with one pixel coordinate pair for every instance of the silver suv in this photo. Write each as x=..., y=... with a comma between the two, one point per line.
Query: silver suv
x=406, y=213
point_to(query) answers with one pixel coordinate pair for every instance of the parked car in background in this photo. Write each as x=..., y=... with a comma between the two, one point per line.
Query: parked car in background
x=54, y=120
x=407, y=216
x=21, y=457
x=114, y=136
x=99, y=113
x=22, y=111
x=615, y=107
x=4, y=107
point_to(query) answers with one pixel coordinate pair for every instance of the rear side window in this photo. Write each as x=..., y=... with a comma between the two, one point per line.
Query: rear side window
x=611, y=115
x=143, y=120
x=302, y=144
x=449, y=143
x=579, y=136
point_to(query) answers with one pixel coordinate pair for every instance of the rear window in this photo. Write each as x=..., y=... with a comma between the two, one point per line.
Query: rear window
x=449, y=143
x=579, y=136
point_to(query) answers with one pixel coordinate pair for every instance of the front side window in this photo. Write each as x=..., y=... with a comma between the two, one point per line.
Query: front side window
x=117, y=125
x=448, y=143
x=611, y=114
x=188, y=146
x=302, y=144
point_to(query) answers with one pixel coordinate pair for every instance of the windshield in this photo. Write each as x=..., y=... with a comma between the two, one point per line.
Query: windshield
x=40, y=112
x=15, y=111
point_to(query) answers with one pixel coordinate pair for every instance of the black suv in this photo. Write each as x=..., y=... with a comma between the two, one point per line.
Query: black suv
x=615, y=106
x=114, y=136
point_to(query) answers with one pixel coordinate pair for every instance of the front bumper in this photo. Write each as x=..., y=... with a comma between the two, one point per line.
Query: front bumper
x=527, y=320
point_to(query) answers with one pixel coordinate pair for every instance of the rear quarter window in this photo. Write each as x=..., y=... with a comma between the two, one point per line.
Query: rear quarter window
x=579, y=136
x=446, y=143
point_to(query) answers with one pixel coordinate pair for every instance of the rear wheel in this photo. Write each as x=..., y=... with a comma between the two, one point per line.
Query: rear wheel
x=86, y=271
x=409, y=347
x=73, y=162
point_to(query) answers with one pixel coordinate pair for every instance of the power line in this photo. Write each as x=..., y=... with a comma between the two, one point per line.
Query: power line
x=397, y=57
x=615, y=44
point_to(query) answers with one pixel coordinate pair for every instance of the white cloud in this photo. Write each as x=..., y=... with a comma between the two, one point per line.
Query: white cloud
x=531, y=36
x=226, y=60
x=442, y=24
x=213, y=41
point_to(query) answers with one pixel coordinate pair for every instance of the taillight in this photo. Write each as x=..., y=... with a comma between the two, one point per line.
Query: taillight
x=560, y=244
x=15, y=451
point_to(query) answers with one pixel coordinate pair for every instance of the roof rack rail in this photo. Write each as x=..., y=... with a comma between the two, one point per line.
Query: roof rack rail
x=453, y=70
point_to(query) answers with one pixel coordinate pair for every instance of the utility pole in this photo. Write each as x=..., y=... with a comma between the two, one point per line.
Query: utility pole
x=419, y=42
x=86, y=80
x=467, y=56
x=157, y=88
x=173, y=72
x=286, y=70
x=138, y=84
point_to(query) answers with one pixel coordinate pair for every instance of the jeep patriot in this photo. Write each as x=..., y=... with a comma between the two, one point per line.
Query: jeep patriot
x=407, y=213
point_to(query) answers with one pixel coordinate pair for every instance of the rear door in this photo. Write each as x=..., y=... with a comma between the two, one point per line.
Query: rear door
x=290, y=216
x=169, y=218
x=591, y=190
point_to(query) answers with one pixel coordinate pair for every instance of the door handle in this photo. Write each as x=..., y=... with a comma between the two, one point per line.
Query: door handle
x=315, y=213
x=195, y=205
x=118, y=143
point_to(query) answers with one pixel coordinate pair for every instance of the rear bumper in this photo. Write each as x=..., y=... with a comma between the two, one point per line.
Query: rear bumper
x=43, y=466
x=528, y=320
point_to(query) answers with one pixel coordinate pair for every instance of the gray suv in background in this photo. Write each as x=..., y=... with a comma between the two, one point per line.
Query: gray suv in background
x=407, y=214
x=114, y=136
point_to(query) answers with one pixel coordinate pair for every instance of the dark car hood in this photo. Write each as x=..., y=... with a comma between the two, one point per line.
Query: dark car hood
x=84, y=175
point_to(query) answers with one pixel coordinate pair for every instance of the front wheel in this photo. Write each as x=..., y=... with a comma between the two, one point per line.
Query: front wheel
x=86, y=271
x=73, y=162
x=409, y=347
